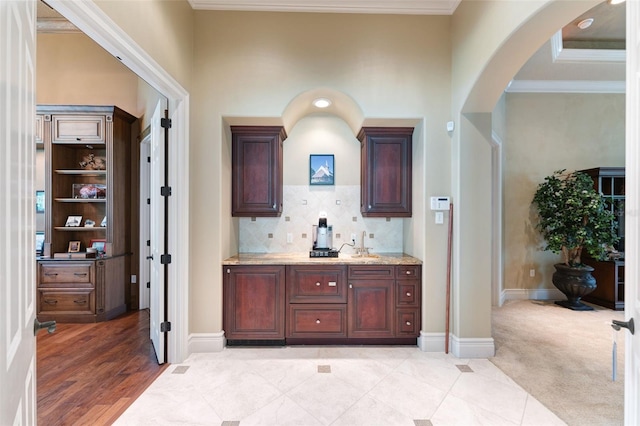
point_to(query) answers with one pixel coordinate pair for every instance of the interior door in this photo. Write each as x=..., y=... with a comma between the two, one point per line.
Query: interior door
x=145, y=229
x=17, y=212
x=632, y=219
x=157, y=295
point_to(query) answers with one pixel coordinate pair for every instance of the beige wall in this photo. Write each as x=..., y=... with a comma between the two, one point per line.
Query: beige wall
x=544, y=133
x=255, y=64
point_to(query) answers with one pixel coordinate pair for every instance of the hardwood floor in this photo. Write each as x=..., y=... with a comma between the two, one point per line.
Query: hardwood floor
x=88, y=374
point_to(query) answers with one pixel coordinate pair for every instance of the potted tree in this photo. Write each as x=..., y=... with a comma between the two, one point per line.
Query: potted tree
x=573, y=219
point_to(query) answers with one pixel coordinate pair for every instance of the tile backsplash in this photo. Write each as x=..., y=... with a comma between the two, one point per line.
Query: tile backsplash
x=301, y=208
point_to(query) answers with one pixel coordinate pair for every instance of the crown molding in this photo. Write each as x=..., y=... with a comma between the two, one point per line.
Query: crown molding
x=565, y=86
x=561, y=55
x=55, y=25
x=397, y=7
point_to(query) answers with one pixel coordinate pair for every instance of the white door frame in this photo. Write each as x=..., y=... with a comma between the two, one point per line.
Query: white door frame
x=92, y=21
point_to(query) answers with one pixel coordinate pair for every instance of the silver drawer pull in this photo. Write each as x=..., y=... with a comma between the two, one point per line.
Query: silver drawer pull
x=408, y=322
x=332, y=284
x=408, y=294
x=51, y=274
x=317, y=321
x=50, y=301
x=80, y=302
x=317, y=284
x=80, y=274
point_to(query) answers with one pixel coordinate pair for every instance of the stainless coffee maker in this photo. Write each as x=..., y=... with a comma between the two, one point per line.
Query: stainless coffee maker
x=322, y=234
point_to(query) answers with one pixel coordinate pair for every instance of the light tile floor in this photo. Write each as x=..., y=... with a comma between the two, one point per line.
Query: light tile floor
x=335, y=385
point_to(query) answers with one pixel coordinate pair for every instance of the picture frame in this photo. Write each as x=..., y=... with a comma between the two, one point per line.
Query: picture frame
x=39, y=243
x=40, y=201
x=73, y=221
x=98, y=244
x=321, y=169
x=74, y=247
x=89, y=190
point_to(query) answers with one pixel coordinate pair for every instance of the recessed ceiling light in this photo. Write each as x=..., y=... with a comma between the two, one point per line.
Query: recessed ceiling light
x=585, y=23
x=321, y=102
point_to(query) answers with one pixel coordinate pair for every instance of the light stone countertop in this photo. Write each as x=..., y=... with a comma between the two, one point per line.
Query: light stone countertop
x=304, y=259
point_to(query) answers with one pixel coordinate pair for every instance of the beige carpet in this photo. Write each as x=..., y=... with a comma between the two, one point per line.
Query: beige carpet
x=563, y=358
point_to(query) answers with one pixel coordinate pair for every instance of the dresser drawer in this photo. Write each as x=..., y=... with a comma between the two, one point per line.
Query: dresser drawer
x=408, y=293
x=306, y=320
x=66, y=273
x=408, y=272
x=312, y=284
x=375, y=272
x=407, y=322
x=66, y=301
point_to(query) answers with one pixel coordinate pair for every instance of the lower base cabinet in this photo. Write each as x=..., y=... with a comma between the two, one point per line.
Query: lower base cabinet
x=324, y=304
x=81, y=291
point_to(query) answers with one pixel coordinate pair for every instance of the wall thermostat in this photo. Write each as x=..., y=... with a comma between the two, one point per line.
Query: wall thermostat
x=440, y=203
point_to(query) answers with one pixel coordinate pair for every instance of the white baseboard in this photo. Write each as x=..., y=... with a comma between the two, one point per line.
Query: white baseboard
x=531, y=294
x=459, y=347
x=206, y=342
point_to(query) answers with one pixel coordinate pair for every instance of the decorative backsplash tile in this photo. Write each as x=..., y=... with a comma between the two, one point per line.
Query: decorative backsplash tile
x=301, y=209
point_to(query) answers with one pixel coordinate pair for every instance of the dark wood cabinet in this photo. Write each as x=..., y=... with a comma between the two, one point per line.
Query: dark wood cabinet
x=254, y=302
x=87, y=177
x=609, y=274
x=385, y=171
x=257, y=170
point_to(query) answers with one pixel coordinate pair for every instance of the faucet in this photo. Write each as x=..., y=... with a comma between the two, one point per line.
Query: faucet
x=362, y=250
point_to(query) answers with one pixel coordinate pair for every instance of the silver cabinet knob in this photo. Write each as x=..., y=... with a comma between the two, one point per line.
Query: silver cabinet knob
x=317, y=321
x=408, y=272
x=317, y=284
x=408, y=323
x=408, y=294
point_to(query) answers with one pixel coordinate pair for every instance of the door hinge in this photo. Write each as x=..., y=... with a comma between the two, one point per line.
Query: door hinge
x=165, y=123
x=148, y=243
x=165, y=326
x=148, y=200
x=148, y=159
x=149, y=285
x=165, y=259
x=165, y=191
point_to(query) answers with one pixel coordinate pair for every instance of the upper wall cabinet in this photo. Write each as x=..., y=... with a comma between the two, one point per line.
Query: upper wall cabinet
x=385, y=171
x=257, y=170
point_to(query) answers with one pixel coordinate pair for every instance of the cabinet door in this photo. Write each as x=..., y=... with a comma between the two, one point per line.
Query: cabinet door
x=254, y=305
x=257, y=170
x=385, y=171
x=371, y=308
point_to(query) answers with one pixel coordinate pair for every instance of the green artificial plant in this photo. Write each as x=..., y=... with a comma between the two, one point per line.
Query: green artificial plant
x=574, y=217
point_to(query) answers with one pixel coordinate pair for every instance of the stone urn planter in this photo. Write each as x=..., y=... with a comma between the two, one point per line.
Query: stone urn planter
x=574, y=282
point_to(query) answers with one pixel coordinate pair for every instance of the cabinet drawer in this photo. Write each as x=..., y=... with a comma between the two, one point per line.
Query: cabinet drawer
x=81, y=273
x=67, y=301
x=317, y=320
x=78, y=129
x=407, y=322
x=408, y=293
x=371, y=272
x=408, y=272
x=311, y=284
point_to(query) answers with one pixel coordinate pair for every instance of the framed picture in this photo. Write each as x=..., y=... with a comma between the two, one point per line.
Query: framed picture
x=321, y=169
x=98, y=244
x=89, y=190
x=74, y=247
x=39, y=243
x=73, y=221
x=39, y=201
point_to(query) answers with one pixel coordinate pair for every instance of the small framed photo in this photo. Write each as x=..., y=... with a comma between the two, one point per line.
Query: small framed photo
x=73, y=221
x=74, y=247
x=98, y=244
x=89, y=190
x=39, y=201
x=39, y=243
x=321, y=169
